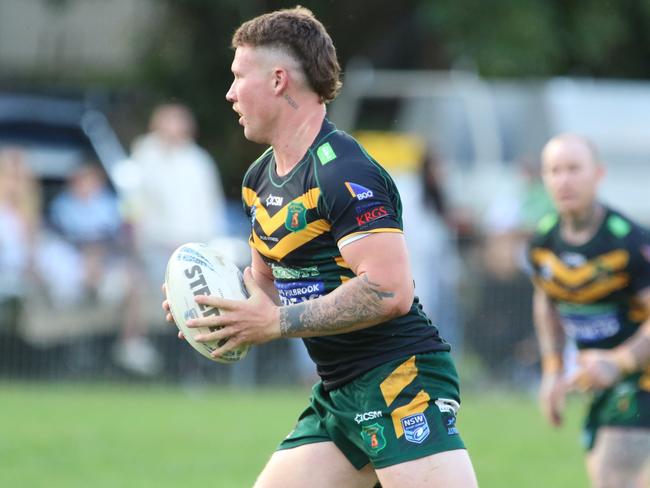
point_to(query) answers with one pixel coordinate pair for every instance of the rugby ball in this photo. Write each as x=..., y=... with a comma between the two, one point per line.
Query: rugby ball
x=198, y=269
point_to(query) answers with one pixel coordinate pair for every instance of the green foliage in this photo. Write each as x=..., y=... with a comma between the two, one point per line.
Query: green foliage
x=544, y=38
x=189, y=61
x=500, y=37
x=190, y=57
x=96, y=435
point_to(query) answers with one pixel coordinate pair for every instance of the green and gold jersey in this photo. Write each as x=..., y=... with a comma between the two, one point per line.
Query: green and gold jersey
x=594, y=286
x=337, y=193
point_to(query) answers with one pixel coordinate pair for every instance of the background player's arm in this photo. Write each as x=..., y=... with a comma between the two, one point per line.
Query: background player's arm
x=634, y=354
x=599, y=369
x=602, y=368
x=551, y=339
x=263, y=276
x=550, y=334
x=382, y=289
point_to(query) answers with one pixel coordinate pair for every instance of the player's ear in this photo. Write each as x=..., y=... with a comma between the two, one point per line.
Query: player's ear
x=280, y=80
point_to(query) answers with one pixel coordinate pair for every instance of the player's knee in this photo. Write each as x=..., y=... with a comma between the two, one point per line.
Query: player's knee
x=451, y=469
x=612, y=468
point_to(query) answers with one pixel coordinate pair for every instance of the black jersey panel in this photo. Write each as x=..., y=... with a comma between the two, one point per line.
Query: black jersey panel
x=357, y=194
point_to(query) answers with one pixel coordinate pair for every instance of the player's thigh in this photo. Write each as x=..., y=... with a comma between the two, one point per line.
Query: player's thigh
x=449, y=469
x=317, y=465
x=620, y=458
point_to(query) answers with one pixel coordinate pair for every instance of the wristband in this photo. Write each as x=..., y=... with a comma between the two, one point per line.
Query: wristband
x=551, y=364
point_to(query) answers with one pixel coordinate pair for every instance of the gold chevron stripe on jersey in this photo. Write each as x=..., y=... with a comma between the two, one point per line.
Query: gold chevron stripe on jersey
x=249, y=196
x=399, y=379
x=612, y=261
x=270, y=224
x=638, y=311
x=394, y=384
x=291, y=241
x=341, y=262
x=587, y=294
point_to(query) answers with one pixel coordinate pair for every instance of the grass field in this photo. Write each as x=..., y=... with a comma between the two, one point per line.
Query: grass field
x=71, y=435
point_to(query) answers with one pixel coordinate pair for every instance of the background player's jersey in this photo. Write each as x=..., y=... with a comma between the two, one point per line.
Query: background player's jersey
x=593, y=286
x=334, y=195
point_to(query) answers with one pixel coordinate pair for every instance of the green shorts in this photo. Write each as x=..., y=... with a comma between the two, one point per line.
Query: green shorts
x=400, y=411
x=626, y=404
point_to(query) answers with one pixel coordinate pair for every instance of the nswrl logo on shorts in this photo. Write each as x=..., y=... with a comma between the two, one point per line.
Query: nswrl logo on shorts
x=416, y=428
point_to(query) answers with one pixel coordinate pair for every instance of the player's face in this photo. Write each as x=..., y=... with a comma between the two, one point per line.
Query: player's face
x=251, y=93
x=571, y=176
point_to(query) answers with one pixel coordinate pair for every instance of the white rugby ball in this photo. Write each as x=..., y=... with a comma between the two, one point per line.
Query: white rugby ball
x=198, y=269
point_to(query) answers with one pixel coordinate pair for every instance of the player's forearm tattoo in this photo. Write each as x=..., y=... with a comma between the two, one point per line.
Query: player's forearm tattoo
x=291, y=101
x=359, y=303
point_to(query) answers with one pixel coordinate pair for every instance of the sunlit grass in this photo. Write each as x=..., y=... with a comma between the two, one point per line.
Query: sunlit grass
x=72, y=435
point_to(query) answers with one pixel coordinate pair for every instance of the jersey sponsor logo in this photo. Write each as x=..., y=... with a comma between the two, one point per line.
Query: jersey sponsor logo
x=573, y=259
x=618, y=226
x=416, y=428
x=370, y=215
x=590, y=328
x=296, y=217
x=285, y=273
x=449, y=421
x=363, y=207
x=365, y=416
x=299, y=291
x=373, y=437
x=269, y=238
x=359, y=192
x=325, y=153
x=448, y=408
x=274, y=201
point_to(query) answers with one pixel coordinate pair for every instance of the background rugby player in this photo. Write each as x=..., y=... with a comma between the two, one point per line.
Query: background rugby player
x=592, y=283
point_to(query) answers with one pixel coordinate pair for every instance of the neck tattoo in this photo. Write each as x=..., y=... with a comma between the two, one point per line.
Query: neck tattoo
x=291, y=102
x=580, y=227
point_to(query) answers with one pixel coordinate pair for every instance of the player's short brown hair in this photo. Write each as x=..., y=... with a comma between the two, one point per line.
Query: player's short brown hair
x=299, y=33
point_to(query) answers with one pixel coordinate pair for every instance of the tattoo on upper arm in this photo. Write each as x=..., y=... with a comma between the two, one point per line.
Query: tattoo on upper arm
x=374, y=287
x=361, y=302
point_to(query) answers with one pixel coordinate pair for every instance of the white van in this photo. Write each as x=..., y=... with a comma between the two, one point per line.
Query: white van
x=486, y=131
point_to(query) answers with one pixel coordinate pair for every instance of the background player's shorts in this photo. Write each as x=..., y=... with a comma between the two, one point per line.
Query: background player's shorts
x=626, y=404
x=400, y=411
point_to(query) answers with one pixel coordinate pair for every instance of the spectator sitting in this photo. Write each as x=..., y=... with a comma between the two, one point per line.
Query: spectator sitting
x=86, y=213
x=19, y=223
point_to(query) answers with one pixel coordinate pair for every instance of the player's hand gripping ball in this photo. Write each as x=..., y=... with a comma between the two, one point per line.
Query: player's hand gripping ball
x=198, y=269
